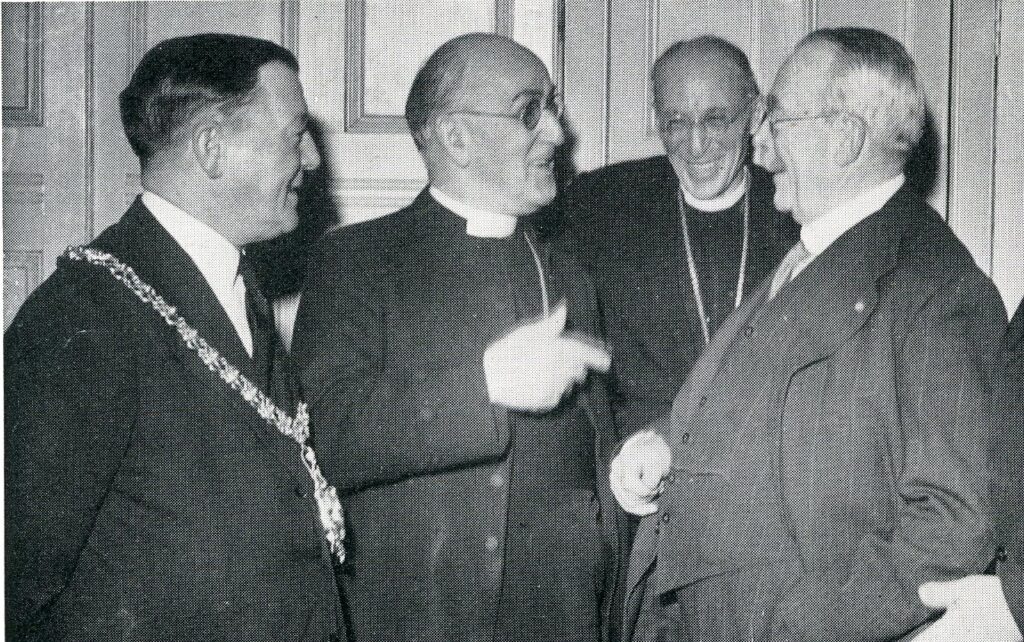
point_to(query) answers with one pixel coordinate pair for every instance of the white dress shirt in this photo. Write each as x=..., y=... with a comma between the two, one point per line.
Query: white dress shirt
x=216, y=258
x=479, y=223
x=820, y=233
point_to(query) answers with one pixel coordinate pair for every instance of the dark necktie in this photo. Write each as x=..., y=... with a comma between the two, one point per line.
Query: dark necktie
x=261, y=323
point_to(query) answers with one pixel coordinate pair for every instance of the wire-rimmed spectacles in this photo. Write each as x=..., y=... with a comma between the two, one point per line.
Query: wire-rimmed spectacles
x=768, y=107
x=531, y=111
x=716, y=125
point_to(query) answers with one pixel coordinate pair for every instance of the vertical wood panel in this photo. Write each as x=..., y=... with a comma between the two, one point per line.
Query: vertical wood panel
x=1008, y=222
x=22, y=64
x=586, y=80
x=124, y=23
x=971, y=127
x=170, y=18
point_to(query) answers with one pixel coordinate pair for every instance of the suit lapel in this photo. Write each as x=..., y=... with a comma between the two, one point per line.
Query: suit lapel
x=143, y=244
x=835, y=295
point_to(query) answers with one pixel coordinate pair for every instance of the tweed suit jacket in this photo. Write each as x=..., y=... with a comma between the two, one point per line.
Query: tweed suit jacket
x=145, y=500
x=869, y=383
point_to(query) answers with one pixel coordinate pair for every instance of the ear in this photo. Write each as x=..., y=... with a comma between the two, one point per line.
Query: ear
x=453, y=136
x=208, y=147
x=852, y=134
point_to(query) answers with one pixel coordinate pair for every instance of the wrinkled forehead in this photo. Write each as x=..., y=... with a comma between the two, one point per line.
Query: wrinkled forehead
x=497, y=74
x=688, y=84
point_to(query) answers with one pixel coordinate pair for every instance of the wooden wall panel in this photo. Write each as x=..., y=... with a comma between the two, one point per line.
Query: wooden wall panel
x=22, y=64
x=1008, y=211
x=971, y=128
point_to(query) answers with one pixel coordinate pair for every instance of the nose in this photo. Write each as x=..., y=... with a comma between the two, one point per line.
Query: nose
x=698, y=140
x=765, y=153
x=310, y=157
x=551, y=128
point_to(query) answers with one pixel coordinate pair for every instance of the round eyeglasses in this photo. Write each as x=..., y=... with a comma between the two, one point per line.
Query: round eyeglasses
x=716, y=125
x=531, y=111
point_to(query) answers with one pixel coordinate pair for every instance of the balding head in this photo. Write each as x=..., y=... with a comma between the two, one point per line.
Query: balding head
x=485, y=117
x=718, y=56
x=467, y=65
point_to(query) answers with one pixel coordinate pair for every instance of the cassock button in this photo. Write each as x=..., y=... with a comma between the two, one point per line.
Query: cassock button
x=671, y=478
x=859, y=306
x=685, y=438
x=703, y=400
x=665, y=517
x=497, y=480
x=491, y=543
x=300, y=491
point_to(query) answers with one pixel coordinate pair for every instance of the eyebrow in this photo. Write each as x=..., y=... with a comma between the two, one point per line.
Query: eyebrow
x=533, y=93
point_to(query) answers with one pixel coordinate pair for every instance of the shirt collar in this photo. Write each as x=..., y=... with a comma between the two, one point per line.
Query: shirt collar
x=214, y=255
x=822, y=232
x=478, y=222
x=723, y=201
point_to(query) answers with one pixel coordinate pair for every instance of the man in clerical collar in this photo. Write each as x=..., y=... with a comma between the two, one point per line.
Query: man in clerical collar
x=827, y=453
x=675, y=242
x=146, y=499
x=452, y=364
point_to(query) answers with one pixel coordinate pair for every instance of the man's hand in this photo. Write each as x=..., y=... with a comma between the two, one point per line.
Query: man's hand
x=638, y=470
x=533, y=366
x=976, y=611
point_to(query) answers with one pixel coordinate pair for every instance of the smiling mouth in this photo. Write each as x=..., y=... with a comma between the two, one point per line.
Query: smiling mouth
x=704, y=169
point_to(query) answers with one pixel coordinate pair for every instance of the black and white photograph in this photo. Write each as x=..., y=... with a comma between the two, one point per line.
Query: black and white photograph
x=513, y=320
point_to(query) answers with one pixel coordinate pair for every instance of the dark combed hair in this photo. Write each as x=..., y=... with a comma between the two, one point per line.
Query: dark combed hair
x=181, y=77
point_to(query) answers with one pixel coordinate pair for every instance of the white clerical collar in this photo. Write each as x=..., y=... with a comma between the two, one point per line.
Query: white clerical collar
x=723, y=201
x=478, y=222
x=822, y=232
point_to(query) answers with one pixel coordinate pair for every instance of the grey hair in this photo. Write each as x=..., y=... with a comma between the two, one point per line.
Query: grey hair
x=874, y=77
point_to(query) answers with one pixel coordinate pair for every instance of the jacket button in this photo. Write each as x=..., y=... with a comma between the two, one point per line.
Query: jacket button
x=491, y=543
x=300, y=491
x=703, y=400
x=685, y=438
x=497, y=480
x=671, y=478
x=665, y=517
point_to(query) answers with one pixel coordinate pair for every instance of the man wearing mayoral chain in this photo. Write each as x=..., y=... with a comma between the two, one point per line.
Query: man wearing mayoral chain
x=160, y=483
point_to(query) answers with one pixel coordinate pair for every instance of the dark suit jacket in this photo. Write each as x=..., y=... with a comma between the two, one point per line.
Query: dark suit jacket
x=389, y=339
x=867, y=386
x=623, y=223
x=1008, y=469
x=145, y=499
